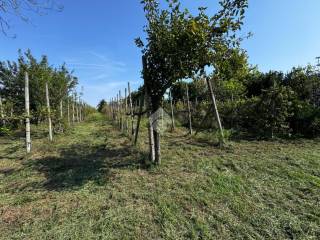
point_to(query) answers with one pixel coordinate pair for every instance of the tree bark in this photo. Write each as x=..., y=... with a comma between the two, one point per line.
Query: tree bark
x=189, y=110
x=49, y=113
x=216, y=112
x=27, y=108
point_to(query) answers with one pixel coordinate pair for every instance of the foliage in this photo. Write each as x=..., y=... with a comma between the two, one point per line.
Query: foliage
x=101, y=105
x=61, y=84
x=179, y=45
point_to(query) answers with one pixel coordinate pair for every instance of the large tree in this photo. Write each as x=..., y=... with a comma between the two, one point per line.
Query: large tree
x=180, y=45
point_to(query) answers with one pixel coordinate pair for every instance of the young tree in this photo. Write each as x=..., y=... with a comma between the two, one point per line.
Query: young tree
x=180, y=45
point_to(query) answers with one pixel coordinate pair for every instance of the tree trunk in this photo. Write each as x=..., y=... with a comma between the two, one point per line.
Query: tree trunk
x=189, y=110
x=216, y=112
x=27, y=106
x=49, y=113
x=172, y=114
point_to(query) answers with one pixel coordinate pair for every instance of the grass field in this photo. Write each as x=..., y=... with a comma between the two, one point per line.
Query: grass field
x=91, y=184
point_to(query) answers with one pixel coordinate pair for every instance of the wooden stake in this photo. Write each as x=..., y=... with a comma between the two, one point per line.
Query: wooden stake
x=2, y=112
x=68, y=111
x=27, y=108
x=172, y=114
x=189, y=110
x=49, y=113
x=139, y=119
x=61, y=110
x=126, y=110
x=216, y=112
x=131, y=110
x=73, y=111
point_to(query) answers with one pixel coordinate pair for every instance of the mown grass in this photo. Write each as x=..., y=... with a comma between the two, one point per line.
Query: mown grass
x=92, y=184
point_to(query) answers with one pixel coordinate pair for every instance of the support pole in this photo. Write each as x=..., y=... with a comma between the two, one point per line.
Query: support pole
x=189, y=110
x=49, y=113
x=27, y=108
x=216, y=112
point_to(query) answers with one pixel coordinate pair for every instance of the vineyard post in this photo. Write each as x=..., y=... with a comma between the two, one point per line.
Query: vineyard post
x=73, y=110
x=80, y=110
x=49, y=113
x=112, y=109
x=126, y=109
x=68, y=110
x=27, y=108
x=118, y=111
x=77, y=107
x=136, y=135
x=172, y=115
x=152, y=150
x=189, y=109
x=61, y=109
x=2, y=112
x=131, y=109
x=216, y=112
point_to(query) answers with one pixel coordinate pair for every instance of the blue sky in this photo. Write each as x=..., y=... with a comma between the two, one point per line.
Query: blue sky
x=95, y=38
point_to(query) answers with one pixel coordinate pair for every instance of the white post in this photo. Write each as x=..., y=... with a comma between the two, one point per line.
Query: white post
x=61, y=110
x=189, y=110
x=1, y=112
x=27, y=104
x=49, y=113
x=216, y=112
x=68, y=111
x=73, y=111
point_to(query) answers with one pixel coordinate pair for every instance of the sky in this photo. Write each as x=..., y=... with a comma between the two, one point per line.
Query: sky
x=96, y=39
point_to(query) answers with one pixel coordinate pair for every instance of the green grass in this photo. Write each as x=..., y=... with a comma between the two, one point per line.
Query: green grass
x=91, y=184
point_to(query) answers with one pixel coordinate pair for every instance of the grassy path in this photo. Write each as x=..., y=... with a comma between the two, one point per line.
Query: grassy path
x=90, y=184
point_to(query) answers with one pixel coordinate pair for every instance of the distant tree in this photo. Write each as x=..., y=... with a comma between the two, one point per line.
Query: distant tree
x=23, y=8
x=101, y=105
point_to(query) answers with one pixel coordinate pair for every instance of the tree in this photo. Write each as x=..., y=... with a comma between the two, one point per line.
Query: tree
x=20, y=9
x=180, y=45
x=101, y=105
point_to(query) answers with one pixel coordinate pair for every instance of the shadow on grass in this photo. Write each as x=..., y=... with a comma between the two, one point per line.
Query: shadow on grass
x=80, y=163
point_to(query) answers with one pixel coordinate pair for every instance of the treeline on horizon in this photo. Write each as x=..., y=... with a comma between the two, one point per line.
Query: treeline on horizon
x=62, y=91
x=251, y=103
